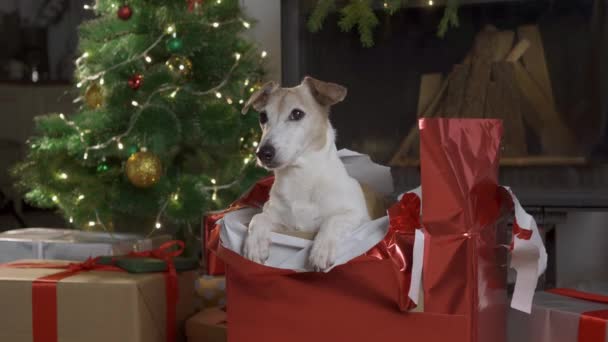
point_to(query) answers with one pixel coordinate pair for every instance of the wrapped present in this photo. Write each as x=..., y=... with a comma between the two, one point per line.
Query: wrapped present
x=70, y=244
x=208, y=325
x=212, y=290
x=453, y=256
x=563, y=315
x=50, y=301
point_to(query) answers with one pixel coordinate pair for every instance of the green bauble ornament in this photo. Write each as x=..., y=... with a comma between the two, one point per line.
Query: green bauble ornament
x=175, y=45
x=103, y=167
x=132, y=150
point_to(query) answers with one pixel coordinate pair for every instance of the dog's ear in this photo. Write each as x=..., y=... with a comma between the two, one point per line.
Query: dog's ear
x=259, y=99
x=326, y=93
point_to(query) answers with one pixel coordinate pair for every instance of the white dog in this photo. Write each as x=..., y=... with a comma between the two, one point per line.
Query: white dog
x=312, y=191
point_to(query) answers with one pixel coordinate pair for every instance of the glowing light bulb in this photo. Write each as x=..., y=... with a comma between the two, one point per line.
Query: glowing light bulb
x=214, y=196
x=173, y=94
x=120, y=146
x=246, y=83
x=55, y=198
x=91, y=223
x=63, y=175
x=62, y=116
x=85, y=156
x=170, y=29
x=134, y=103
x=242, y=139
x=219, y=2
x=86, y=7
x=237, y=56
x=79, y=84
x=241, y=101
x=148, y=59
x=255, y=144
x=229, y=100
x=101, y=81
x=246, y=160
x=85, y=55
x=71, y=220
x=113, y=5
x=431, y=3
x=385, y=5
x=264, y=54
x=81, y=197
x=218, y=95
x=158, y=225
x=215, y=25
x=175, y=197
x=213, y=181
x=181, y=67
x=251, y=90
x=246, y=24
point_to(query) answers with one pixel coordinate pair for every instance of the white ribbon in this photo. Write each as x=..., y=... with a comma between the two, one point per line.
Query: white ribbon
x=528, y=258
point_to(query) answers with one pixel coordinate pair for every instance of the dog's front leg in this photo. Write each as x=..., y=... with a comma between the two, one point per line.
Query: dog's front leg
x=257, y=243
x=323, y=253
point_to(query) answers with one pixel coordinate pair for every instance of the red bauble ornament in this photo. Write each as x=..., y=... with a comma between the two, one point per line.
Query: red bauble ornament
x=124, y=12
x=135, y=81
x=192, y=4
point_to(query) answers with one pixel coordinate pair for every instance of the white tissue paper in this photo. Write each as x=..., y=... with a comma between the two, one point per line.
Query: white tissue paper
x=289, y=252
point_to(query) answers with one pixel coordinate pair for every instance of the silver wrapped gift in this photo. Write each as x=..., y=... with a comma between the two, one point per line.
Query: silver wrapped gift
x=554, y=318
x=69, y=244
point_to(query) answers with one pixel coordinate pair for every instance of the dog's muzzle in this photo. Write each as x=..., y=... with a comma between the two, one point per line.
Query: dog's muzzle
x=266, y=154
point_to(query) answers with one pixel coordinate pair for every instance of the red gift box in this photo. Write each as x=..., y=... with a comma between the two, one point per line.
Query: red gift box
x=464, y=262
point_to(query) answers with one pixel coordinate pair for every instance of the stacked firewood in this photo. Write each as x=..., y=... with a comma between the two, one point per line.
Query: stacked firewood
x=504, y=76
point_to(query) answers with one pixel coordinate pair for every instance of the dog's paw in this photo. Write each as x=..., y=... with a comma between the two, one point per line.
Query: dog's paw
x=257, y=247
x=323, y=253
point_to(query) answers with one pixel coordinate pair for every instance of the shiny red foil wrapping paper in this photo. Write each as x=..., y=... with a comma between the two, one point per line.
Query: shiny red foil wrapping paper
x=366, y=299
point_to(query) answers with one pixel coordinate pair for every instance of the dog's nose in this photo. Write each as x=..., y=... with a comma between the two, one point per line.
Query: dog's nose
x=266, y=153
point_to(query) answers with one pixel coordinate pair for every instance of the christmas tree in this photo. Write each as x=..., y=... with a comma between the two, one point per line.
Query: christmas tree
x=159, y=138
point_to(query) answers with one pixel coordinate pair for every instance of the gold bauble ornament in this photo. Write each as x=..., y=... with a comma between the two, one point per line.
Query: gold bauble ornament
x=179, y=66
x=143, y=169
x=94, y=96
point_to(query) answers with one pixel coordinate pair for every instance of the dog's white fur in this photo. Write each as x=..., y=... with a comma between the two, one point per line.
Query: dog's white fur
x=312, y=191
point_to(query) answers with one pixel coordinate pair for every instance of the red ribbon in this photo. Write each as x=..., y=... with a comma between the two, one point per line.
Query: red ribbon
x=592, y=324
x=255, y=197
x=44, y=289
x=165, y=253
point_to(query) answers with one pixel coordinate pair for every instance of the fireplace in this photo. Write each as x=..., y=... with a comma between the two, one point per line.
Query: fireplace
x=389, y=82
x=386, y=88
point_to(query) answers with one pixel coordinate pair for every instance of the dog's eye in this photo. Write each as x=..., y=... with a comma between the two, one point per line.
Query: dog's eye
x=296, y=115
x=263, y=118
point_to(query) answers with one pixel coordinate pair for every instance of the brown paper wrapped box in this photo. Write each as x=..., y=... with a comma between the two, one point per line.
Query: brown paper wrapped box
x=208, y=325
x=95, y=306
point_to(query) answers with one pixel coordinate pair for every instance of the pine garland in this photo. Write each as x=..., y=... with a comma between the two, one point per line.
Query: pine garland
x=360, y=14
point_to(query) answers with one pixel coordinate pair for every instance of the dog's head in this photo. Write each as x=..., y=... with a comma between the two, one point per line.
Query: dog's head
x=293, y=120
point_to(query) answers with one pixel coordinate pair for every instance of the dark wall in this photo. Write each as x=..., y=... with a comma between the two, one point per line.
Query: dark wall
x=383, y=81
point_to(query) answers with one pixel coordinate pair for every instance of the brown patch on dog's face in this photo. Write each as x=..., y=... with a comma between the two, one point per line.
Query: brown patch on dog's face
x=293, y=120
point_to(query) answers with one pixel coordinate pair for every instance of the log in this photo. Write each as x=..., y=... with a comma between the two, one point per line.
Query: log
x=518, y=51
x=430, y=84
x=479, y=76
x=534, y=59
x=503, y=42
x=556, y=138
x=455, y=94
x=504, y=102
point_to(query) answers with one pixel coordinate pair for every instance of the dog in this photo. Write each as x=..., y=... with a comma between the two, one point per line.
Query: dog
x=312, y=191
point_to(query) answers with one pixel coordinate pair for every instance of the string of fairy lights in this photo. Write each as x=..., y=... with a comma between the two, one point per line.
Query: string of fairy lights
x=169, y=90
